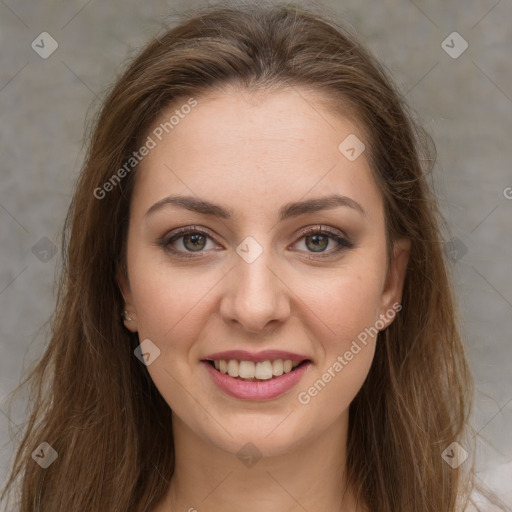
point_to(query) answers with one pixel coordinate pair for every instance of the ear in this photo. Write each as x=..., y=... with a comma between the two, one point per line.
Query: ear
x=393, y=287
x=130, y=319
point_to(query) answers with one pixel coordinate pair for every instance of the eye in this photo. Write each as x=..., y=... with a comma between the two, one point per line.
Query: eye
x=317, y=239
x=193, y=241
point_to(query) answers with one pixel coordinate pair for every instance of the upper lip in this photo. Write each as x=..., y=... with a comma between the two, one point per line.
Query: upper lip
x=264, y=355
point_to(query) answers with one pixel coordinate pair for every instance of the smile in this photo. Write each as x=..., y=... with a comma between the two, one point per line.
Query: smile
x=262, y=380
x=251, y=371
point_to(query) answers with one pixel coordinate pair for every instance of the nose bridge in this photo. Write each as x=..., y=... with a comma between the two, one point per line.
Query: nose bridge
x=255, y=295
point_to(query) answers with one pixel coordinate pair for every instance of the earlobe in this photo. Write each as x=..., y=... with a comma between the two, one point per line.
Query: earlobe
x=392, y=293
x=129, y=320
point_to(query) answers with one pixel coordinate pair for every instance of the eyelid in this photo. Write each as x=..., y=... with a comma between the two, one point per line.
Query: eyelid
x=322, y=228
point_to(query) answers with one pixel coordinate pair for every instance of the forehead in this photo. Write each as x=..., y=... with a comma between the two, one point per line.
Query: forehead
x=252, y=150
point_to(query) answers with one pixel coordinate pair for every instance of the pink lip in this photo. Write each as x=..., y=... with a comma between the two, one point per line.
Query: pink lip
x=265, y=355
x=257, y=390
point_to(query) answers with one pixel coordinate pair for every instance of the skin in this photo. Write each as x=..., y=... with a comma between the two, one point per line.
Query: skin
x=254, y=153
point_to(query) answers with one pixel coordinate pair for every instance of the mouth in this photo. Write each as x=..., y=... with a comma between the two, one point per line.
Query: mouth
x=265, y=379
x=250, y=371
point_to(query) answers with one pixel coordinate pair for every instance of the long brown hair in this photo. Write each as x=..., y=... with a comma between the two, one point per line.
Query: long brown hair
x=93, y=401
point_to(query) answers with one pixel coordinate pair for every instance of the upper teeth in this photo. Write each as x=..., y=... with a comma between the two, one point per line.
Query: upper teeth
x=263, y=370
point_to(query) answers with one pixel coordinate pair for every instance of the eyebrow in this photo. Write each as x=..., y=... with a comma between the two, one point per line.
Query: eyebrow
x=289, y=210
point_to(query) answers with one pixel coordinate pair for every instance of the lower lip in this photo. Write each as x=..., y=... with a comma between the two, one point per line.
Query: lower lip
x=256, y=390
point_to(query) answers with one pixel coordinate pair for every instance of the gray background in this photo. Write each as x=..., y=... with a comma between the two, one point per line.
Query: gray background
x=465, y=103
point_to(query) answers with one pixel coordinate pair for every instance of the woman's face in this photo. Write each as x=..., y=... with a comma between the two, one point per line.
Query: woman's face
x=257, y=172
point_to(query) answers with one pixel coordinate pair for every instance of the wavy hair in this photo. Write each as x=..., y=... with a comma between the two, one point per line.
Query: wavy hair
x=93, y=401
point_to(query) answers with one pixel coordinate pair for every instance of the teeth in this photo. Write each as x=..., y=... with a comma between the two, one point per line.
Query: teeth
x=246, y=370
x=233, y=368
x=263, y=370
x=277, y=367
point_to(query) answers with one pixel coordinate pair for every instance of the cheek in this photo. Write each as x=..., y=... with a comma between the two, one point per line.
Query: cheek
x=170, y=303
x=349, y=348
x=347, y=303
x=350, y=311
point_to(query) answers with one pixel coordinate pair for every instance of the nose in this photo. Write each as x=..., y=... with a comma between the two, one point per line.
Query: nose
x=256, y=296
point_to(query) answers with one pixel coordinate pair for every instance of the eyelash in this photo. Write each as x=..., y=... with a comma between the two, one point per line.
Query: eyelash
x=166, y=241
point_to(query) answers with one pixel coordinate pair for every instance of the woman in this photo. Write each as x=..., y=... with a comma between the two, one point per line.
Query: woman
x=255, y=206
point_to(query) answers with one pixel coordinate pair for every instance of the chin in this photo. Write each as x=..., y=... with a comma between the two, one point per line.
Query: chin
x=260, y=437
